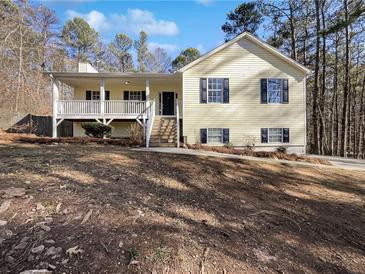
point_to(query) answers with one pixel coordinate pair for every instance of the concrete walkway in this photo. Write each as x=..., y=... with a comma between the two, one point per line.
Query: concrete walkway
x=336, y=163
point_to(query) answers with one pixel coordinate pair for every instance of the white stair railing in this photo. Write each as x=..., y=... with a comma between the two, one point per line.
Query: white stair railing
x=177, y=123
x=150, y=121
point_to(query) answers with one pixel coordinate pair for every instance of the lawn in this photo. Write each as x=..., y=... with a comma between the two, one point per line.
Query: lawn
x=131, y=212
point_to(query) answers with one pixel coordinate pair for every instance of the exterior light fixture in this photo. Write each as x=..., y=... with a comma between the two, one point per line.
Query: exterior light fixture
x=127, y=82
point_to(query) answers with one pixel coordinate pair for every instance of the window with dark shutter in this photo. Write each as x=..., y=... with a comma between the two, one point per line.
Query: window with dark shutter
x=203, y=135
x=285, y=91
x=285, y=135
x=226, y=135
x=203, y=90
x=126, y=95
x=263, y=87
x=88, y=95
x=143, y=95
x=264, y=135
x=225, y=90
x=107, y=95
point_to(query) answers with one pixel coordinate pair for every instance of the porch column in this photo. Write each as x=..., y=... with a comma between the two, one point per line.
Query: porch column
x=102, y=99
x=55, y=94
x=147, y=90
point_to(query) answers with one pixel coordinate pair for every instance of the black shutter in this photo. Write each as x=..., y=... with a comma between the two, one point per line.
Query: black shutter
x=144, y=95
x=285, y=86
x=203, y=90
x=285, y=135
x=107, y=95
x=225, y=90
x=226, y=135
x=264, y=135
x=126, y=95
x=263, y=91
x=88, y=95
x=203, y=135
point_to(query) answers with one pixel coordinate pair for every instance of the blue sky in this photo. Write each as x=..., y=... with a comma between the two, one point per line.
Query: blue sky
x=173, y=25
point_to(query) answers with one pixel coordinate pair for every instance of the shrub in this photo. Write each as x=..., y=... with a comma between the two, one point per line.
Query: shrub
x=135, y=132
x=228, y=145
x=281, y=150
x=96, y=130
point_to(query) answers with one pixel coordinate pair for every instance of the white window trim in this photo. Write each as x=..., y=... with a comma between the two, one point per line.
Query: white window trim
x=221, y=142
x=222, y=78
x=268, y=136
x=281, y=90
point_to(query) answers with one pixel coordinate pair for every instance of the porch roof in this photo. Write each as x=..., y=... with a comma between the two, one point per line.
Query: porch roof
x=77, y=78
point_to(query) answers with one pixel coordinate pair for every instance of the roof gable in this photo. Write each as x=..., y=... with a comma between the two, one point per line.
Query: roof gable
x=256, y=41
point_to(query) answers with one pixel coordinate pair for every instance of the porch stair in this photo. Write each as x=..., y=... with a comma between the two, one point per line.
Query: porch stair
x=164, y=132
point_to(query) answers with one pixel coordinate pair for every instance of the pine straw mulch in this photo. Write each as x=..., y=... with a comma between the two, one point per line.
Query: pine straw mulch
x=260, y=154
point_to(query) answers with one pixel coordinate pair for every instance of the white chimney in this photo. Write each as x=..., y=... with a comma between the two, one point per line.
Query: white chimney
x=86, y=67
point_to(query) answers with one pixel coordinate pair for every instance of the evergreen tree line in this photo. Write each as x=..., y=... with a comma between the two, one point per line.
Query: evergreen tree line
x=325, y=36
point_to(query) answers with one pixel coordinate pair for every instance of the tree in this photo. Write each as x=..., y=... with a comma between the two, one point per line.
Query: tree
x=246, y=17
x=185, y=57
x=120, y=47
x=158, y=61
x=80, y=38
x=142, y=51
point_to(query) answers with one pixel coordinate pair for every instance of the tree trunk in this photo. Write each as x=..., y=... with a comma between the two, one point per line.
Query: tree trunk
x=316, y=84
x=344, y=120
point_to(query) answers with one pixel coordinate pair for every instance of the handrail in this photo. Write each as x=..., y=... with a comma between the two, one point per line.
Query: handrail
x=150, y=121
x=177, y=123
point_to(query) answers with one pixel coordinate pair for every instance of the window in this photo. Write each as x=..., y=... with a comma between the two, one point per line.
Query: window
x=274, y=90
x=135, y=96
x=215, y=90
x=215, y=135
x=275, y=135
x=95, y=95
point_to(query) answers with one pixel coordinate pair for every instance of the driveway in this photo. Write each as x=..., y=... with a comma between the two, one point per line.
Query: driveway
x=337, y=162
x=343, y=162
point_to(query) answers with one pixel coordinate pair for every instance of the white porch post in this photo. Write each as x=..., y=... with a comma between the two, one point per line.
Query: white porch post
x=55, y=94
x=147, y=90
x=102, y=99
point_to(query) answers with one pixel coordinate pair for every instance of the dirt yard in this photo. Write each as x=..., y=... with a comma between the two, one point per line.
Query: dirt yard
x=106, y=209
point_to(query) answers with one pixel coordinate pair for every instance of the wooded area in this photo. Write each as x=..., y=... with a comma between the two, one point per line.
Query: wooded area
x=326, y=36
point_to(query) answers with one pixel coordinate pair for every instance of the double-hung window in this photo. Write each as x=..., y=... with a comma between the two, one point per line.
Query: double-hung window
x=274, y=90
x=95, y=95
x=275, y=135
x=215, y=135
x=135, y=96
x=215, y=90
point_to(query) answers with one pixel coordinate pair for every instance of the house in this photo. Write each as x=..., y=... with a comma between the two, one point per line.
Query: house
x=243, y=92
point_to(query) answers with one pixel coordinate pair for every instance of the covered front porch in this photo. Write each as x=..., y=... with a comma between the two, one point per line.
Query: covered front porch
x=105, y=97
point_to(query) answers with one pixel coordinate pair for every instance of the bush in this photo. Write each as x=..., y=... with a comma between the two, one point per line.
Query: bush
x=96, y=130
x=281, y=150
x=228, y=145
x=135, y=132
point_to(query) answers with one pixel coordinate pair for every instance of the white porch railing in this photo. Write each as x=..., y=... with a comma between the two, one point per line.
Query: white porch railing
x=90, y=108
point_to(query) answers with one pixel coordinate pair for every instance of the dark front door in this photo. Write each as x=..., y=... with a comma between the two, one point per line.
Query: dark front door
x=168, y=103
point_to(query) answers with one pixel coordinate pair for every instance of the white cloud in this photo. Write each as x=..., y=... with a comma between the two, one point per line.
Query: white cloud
x=204, y=2
x=132, y=22
x=95, y=19
x=170, y=48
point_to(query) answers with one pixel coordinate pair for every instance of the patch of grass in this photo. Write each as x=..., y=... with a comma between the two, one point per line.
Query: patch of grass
x=132, y=254
x=161, y=254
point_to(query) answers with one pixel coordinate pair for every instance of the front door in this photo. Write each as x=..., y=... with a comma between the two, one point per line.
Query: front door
x=168, y=103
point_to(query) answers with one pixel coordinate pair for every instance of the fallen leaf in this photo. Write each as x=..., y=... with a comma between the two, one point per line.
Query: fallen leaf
x=87, y=216
x=4, y=206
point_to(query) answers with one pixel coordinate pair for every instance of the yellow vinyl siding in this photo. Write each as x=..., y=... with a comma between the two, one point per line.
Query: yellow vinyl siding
x=244, y=63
